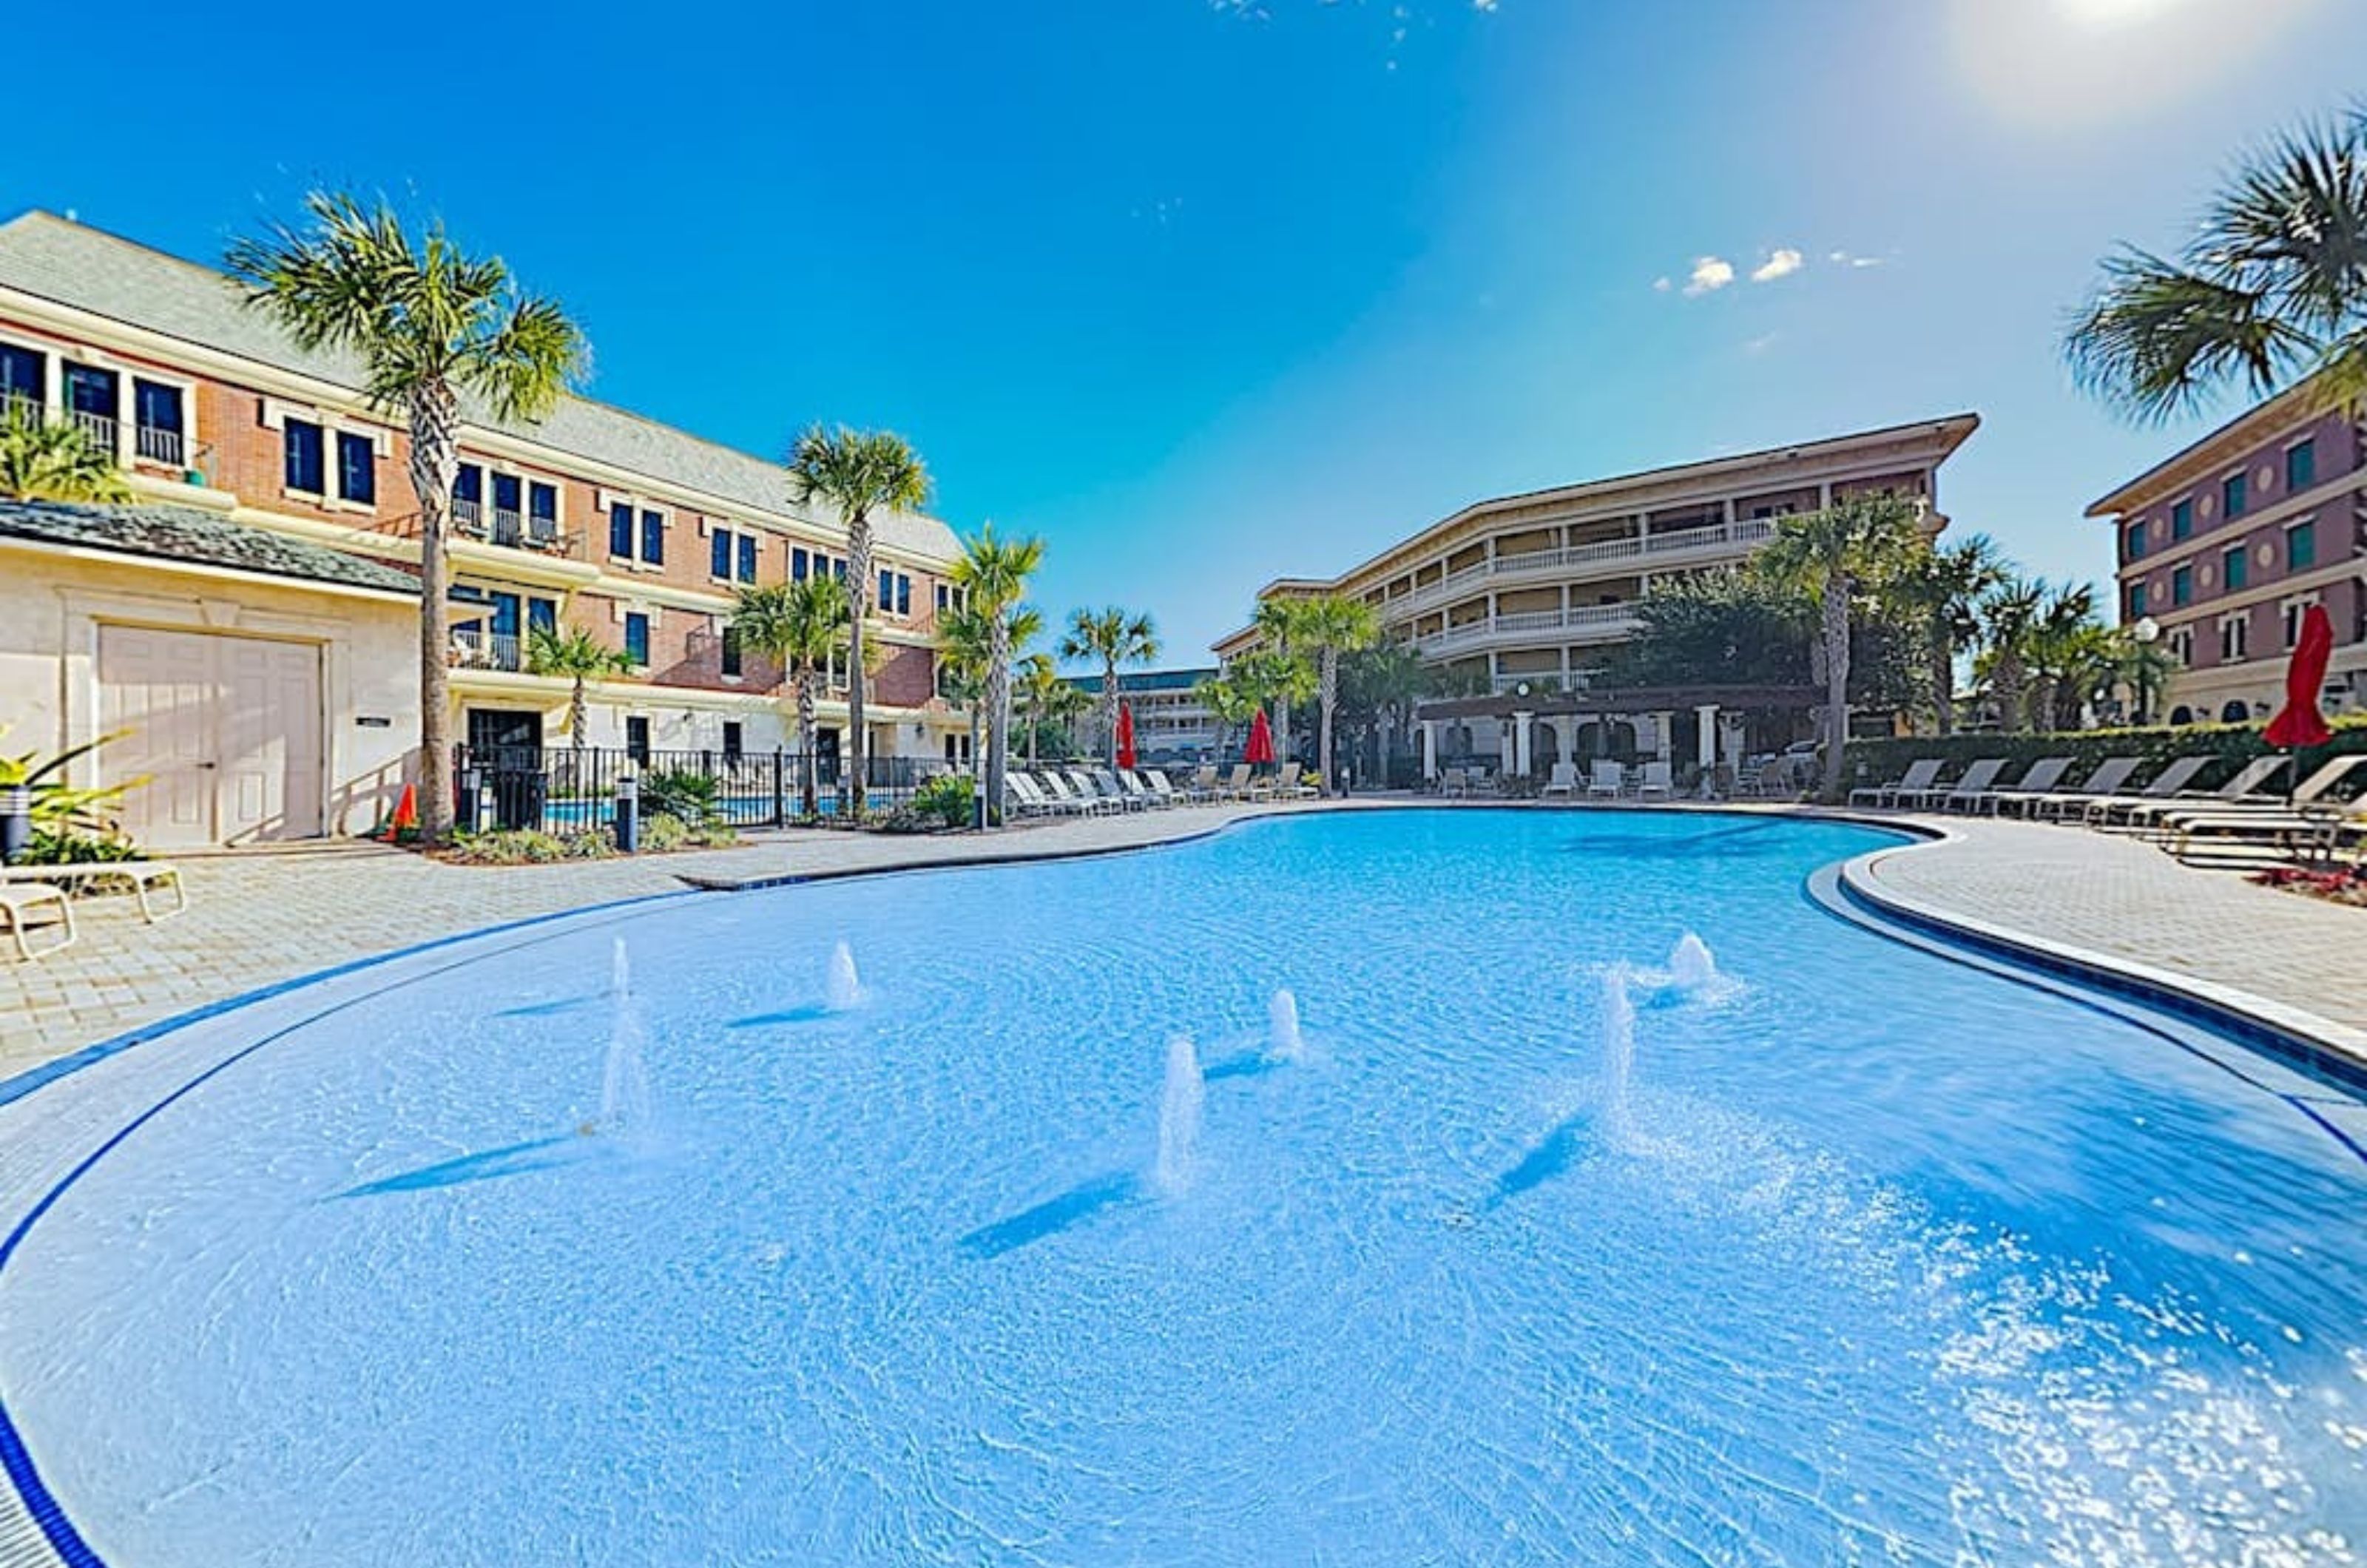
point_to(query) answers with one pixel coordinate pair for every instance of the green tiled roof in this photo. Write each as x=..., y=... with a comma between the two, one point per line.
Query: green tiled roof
x=61, y=260
x=183, y=533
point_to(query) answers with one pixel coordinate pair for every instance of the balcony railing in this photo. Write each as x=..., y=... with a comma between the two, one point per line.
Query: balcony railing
x=103, y=430
x=1591, y=622
x=157, y=444
x=1713, y=536
x=473, y=647
x=506, y=527
x=468, y=516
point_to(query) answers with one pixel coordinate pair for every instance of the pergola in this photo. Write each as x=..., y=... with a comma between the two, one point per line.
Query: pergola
x=1716, y=709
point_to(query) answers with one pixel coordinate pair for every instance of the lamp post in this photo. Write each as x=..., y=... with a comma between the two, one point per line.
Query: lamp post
x=2147, y=631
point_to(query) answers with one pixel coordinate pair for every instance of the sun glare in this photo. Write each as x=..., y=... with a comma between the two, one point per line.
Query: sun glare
x=2054, y=64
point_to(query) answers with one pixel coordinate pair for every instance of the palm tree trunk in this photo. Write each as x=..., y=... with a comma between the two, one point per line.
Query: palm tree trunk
x=858, y=595
x=1329, y=696
x=809, y=769
x=435, y=460
x=1836, y=669
x=578, y=713
x=1109, y=709
x=1944, y=680
x=998, y=701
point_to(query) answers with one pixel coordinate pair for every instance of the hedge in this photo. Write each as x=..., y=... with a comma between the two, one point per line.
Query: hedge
x=2232, y=745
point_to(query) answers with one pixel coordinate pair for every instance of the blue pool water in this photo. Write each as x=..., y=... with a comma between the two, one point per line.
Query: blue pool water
x=1880, y=1257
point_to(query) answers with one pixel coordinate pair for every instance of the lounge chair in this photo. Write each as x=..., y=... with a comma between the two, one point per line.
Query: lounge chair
x=2267, y=837
x=2042, y=776
x=2169, y=784
x=1657, y=779
x=1202, y=785
x=1607, y=779
x=1285, y=783
x=2103, y=783
x=1034, y=802
x=146, y=877
x=1920, y=774
x=1157, y=800
x=2308, y=793
x=1563, y=781
x=1977, y=779
x=2142, y=817
x=1454, y=782
x=19, y=900
x=1164, y=787
x=1061, y=787
x=1237, y=785
x=1099, y=784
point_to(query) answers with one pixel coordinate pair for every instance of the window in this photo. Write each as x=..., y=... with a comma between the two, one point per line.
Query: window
x=945, y=598
x=719, y=562
x=2181, y=646
x=23, y=376
x=357, y=469
x=620, y=530
x=2234, y=635
x=904, y=595
x=2293, y=613
x=2301, y=546
x=731, y=650
x=732, y=742
x=508, y=491
x=2136, y=601
x=2234, y=496
x=90, y=393
x=306, y=466
x=838, y=569
x=2232, y=568
x=747, y=558
x=636, y=639
x=542, y=509
x=2181, y=520
x=799, y=563
x=2301, y=466
x=653, y=537
x=542, y=614
x=158, y=409
x=637, y=739
x=2133, y=543
x=469, y=494
x=887, y=592
x=2181, y=586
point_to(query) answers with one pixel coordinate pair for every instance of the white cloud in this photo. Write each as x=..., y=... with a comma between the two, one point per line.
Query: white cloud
x=1758, y=345
x=1842, y=258
x=1661, y=285
x=1709, y=274
x=1780, y=263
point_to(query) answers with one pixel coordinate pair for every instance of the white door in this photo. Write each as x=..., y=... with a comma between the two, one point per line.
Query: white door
x=226, y=730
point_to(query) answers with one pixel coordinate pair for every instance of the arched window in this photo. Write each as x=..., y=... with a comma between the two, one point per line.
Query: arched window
x=2181, y=714
x=2235, y=713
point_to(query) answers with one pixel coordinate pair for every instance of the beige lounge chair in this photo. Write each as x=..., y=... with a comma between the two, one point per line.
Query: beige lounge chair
x=17, y=902
x=1608, y=778
x=1562, y=781
x=1237, y=783
x=2101, y=784
x=146, y=877
x=1657, y=779
x=1454, y=782
x=2245, y=786
x=1978, y=779
x=2041, y=776
x=1920, y=774
x=2168, y=784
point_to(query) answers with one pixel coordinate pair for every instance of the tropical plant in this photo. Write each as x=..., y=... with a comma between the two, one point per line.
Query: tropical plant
x=1110, y=638
x=1378, y=687
x=992, y=576
x=45, y=461
x=2272, y=289
x=575, y=654
x=1942, y=590
x=1281, y=623
x=431, y=325
x=1828, y=556
x=858, y=473
x=1230, y=702
x=1049, y=699
x=2009, y=615
x=965, y=647
x=1326, y=628
x=799, y=627
x=1719, y=628
x=2072, y=659
x=2145, y=666
x=950, y=800
x=56, y=805
x=689, y=797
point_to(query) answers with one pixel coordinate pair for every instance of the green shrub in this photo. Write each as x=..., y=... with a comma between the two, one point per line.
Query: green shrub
x=2231, y=746
x=527, y=846
x=949, y=800
x=48, y=847
x=682, y=793
x=663, y=832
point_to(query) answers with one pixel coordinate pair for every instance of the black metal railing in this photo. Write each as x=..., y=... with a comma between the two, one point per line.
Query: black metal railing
x=561, y=789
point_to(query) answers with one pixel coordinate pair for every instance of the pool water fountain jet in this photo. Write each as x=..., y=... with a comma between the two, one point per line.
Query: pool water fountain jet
x=1179, y=1118
x=1618, y=1057
x=1691, y=967
x=624, y=1081
x=842, y=988
x=1284, y=1042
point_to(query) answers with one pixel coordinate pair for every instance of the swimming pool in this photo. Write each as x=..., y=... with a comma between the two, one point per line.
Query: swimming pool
x=1845, y=1252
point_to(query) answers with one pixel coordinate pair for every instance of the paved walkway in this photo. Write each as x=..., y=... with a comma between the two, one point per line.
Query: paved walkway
x=256, y=918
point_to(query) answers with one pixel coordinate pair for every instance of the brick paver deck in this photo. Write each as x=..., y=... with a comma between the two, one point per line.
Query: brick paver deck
x=256, y=918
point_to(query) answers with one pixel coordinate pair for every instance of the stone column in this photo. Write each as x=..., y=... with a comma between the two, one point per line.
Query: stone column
x=1705, y=729
x=1429, y=751
x=1523, y=750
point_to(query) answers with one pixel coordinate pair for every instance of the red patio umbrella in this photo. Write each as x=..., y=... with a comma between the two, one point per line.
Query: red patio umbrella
x=1260, y=750
x=2298, y=724
x=1125, y=735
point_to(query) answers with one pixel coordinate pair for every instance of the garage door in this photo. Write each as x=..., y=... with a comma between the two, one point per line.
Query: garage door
x=225, y=730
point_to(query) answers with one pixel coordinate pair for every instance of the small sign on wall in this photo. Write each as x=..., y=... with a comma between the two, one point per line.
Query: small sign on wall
x=373, y=721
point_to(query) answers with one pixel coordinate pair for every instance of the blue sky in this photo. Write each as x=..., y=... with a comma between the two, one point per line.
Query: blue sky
x=1207, y=294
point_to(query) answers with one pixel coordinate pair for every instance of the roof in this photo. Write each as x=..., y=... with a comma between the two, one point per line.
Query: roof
x=1147, y=679
x=61, y=260
x=186, y=534
x=2182, y=466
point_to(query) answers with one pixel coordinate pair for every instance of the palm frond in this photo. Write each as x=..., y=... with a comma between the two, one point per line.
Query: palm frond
x=2159, y=338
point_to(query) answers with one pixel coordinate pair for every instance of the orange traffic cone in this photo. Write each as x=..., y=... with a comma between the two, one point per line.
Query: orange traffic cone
x=406, y=813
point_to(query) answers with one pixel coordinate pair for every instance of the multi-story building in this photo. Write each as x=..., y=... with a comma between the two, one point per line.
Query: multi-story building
x=595, y=518
x=1170, y=723
x=2223, y=547
x=1516, y=599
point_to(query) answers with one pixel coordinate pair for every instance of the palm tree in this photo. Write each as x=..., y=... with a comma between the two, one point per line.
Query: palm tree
x=2272, y=288
x=2009, y=614
x=799, y=627
x=2070, y=656
x=1047, y=697
x=1383, y=682
x=1329, y=626
x=993, y=575
x=1229, y=701
x=1110, y=638
x=857, y=472
x=575, y=653
x=1280, y=622
x=41, y=461
x=1276, y=678
x=431, y=325
x=2145, y=667
x=1943, y=589
x=976, y=644
x=1830, y=556
x=965, y=649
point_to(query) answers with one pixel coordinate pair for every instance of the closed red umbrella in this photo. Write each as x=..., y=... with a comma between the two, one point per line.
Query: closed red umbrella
x=1261, y=747
x=1125, y=735
x=2299, y=722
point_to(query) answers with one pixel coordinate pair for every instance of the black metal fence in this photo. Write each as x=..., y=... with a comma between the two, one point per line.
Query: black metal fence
x=564, y=790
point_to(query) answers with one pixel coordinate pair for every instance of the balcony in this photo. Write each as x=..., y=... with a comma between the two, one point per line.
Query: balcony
x=157, y=444
x=1675, y=547
x=102, y=431
x=506, y=527
x=1584, y=623
x=473, y=647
